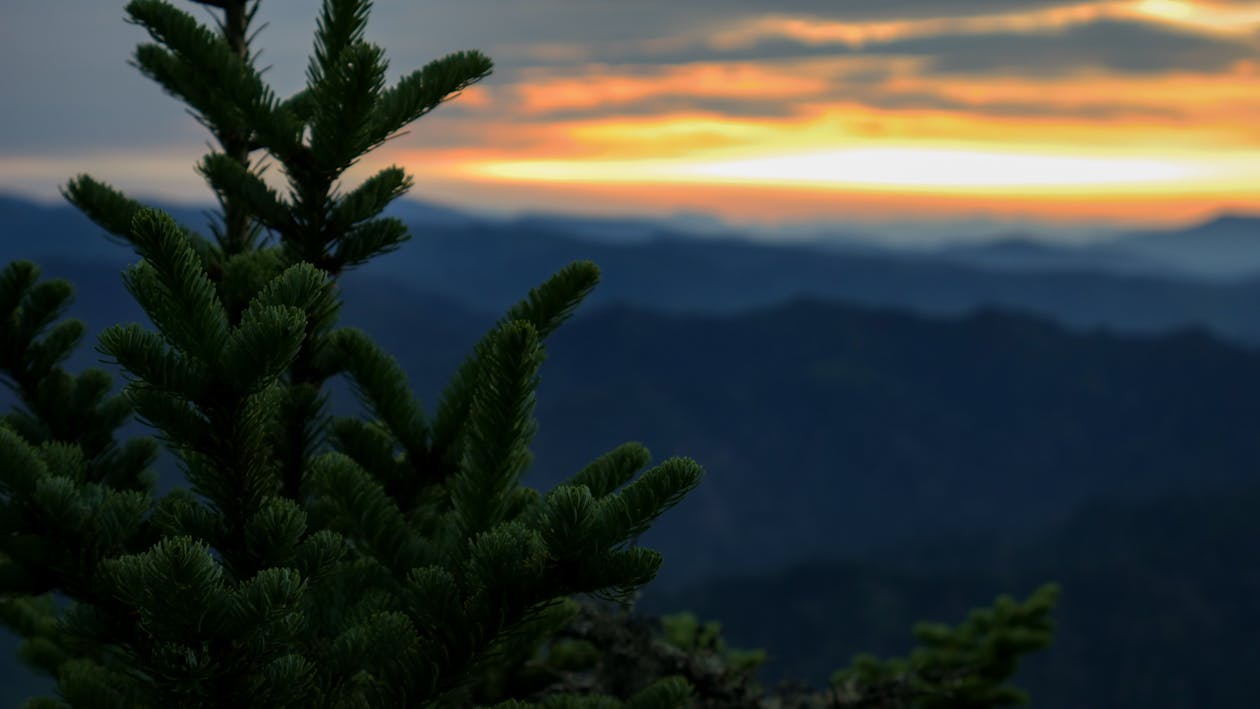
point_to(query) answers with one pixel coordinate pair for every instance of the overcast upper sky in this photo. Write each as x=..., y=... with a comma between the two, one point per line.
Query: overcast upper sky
x=1127, y=111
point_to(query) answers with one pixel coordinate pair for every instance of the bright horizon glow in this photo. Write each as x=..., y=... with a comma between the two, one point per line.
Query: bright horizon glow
x=936, y=169
x=944, y=168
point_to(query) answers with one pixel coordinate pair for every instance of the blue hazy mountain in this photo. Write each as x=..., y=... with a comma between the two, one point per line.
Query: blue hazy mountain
x=829, y=429
x=488, y=265
x=696, y=343
x=1224, y=249
x=891, y=426
x=1025, y=253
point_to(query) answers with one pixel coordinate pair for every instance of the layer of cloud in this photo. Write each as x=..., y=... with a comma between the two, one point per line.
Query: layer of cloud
x=606, y=81
x=789, y=87
x=1151, y=36
x=1130, y=47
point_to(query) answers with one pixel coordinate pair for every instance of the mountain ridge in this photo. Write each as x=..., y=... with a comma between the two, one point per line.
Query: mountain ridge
x=1169, y=252
x=909, y=413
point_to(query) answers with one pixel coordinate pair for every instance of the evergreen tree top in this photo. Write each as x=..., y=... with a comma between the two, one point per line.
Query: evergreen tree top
x=313, y=560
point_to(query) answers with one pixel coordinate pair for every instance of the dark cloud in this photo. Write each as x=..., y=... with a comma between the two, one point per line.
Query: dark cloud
x=67, y=88
x=658, y=105
x=611, y=29
x=1122, y=46
x=857, y=10
x=928, y=100
x=1132, y=47
x=866, y=93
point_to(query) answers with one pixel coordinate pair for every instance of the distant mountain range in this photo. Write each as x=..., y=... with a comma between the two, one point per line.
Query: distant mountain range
x=488, y=268
x=829, y=430
x=487, y=265
x=890, y=426
x=1228, y=246
x=852, y=403
x=1026, y=254
x=741, y=365
x=1224, y=249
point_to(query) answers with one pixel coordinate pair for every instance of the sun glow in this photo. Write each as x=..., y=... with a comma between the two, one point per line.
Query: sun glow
x=942, y=170
x=1167, y=9
x=1237, y=18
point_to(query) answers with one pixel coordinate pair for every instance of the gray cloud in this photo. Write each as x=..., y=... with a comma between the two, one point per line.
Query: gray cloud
x=67, y=88
x=1132, y=47
x=416, y=31
x=927, y=100
x=657, y=105
x=1117, y=45
x=865, y=89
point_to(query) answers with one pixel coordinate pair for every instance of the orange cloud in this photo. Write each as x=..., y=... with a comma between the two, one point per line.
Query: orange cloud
x=1201, y=109
x=601, y=85
x=813, y=31
x=473, y=97
x=848, y=148
x=1234, y=19
x=869, y=132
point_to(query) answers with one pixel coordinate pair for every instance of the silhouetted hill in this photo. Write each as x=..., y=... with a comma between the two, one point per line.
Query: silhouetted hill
x=414, y=211
x=34, y=231
x=1158, y=610
x=829, y=429
x=489, y=268
x=1024, y=254
x=1225, y=247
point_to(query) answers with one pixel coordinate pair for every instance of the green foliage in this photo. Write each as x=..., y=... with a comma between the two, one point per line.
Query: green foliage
x=686, y=632
x=313, y=561
x=289, y=574
x=963, y=666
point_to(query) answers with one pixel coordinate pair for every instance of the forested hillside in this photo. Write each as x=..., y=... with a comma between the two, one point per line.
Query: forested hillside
x=888, y=426
x=1158, y=609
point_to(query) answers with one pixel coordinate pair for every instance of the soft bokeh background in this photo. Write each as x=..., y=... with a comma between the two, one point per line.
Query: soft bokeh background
x=949, y=297
x=1062, y=115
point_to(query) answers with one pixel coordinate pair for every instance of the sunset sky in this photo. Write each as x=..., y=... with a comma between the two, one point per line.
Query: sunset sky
x=1132, y=112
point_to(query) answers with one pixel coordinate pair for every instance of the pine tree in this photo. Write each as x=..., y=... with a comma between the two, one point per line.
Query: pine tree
x=365, y=575
x=313, y=561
